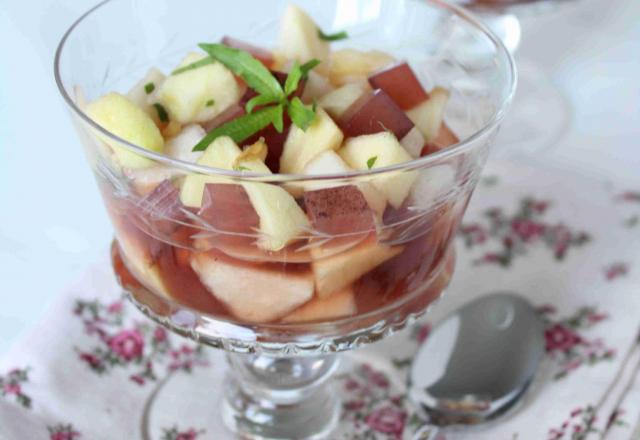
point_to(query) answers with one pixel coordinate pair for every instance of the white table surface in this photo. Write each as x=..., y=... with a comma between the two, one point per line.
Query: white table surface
x=52, y=222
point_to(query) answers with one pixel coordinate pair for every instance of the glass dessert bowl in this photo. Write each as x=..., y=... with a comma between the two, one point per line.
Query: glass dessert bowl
x=287, y=192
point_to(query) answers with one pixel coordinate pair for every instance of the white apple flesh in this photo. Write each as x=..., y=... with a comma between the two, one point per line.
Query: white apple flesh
x=252, y=293
x=338, y=305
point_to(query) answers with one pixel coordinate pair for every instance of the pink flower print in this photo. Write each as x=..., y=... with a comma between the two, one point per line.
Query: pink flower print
x=115, y=307
x=65, y=435
x=63, y=432
x=160, y=334
x=128, y=344
x=387, y=420
x=12, y=388
x=630, y=196
x=187, y=435
x=616, y=270
x=351, y=385
x=560, y=338
x=423, y=333
x=354, y=405
x=527, y=230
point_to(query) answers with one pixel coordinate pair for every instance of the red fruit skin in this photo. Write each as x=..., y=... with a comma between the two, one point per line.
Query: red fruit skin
x=259, y=53
x=375, y=113
x=182, y=283
x=339, y=210
x=401, y=84
x=227, y=208
x=445, y=139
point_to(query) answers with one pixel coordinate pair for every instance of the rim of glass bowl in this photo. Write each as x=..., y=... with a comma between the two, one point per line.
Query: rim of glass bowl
x=459, y=148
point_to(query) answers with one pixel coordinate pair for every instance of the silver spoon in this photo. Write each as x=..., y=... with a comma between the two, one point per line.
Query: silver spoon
x=479, y=362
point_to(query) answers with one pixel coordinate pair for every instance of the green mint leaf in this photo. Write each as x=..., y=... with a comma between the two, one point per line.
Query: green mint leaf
x=149, y=88
x=162, y=112
x=200, y=63
x=372, y=161
x=309, y=66
x=278, y=118
x=244, y=65
x=210, y=103
x=242, y=128
x=259, y=100
x=333, y=37
x=297, y=74
x=293, y=79
x=300, y=114
x=241, y=168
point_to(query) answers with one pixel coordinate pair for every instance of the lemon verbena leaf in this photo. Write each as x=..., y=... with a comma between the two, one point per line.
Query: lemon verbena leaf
x=248, y=68
x=301, y=115
x=242, y=128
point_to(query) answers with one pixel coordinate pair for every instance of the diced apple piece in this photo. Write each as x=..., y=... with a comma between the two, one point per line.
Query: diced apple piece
x=259, y=53
x=144, y=92
x=222, y=153
x=349, y=65
x=139, y=261
x=302, y=146
x=375, y=113
x=335, y=273
x=299, y=39
x=413, y=142
x=200, y=94
x=375, y=198
x=316, y=86
x=401, y=84
x=281, y=219
x=338, y=305
x=429, y=115
x=342, y=210
x=338, y=101
x=432, y=185
x=387, y=151
x=253, y=293
x=181, y=146
x=119, y=115
x=146, y=180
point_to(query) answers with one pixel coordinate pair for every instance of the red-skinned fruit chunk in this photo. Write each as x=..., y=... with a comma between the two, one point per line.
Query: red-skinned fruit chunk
x=374, y=113
x=339, y=210
x=259, y=53
x=228, y=209
x=446, y=137
x=183, y=283
x=161, y=210
x=401, y=84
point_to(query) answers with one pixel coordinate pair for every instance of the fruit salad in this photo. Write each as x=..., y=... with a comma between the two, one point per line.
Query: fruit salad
x=244, y=244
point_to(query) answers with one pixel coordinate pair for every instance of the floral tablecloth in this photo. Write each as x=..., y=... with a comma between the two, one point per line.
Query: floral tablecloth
x=567, y=242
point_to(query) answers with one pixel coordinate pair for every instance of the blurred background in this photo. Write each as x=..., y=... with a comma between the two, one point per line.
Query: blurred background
x=52, y=222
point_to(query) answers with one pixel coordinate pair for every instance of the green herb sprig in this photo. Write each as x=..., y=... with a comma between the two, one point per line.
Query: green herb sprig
x=273, y=98
x=333, y=37
x=371, y=162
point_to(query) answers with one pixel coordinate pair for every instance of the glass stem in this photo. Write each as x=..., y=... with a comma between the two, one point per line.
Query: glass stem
x=281, y=397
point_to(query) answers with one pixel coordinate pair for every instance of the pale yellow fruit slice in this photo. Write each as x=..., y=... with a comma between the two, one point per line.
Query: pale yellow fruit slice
x=200, y=94
x=301, y=146
x=252, y=293
x=119, y=115
x=385, y=150
x=338, y=305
